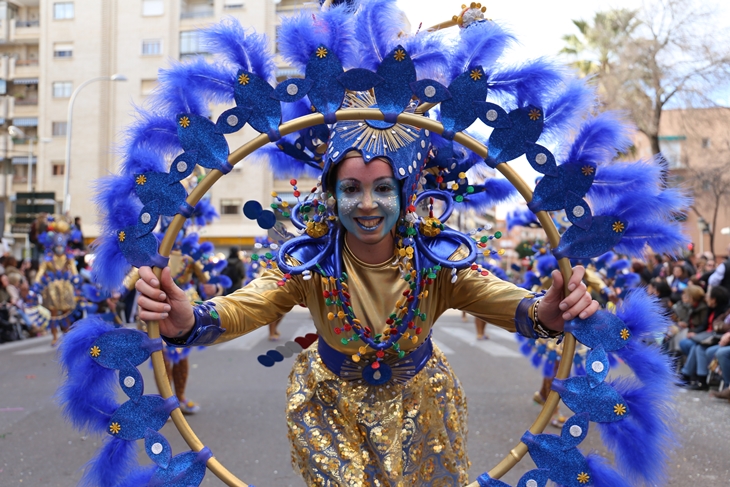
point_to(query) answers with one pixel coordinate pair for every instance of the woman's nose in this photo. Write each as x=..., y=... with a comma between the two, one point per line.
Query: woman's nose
x=367, y=202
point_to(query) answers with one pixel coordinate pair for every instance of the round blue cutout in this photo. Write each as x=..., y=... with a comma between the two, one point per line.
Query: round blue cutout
x=275, y=356
x=266, y=219
x=266, y=361
x=252, y=209
x=376, y=377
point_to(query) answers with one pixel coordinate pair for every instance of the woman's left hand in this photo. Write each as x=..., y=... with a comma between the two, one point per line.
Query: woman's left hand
x=556, y=308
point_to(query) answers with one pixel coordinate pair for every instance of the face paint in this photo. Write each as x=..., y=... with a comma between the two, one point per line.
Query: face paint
x=368, y=209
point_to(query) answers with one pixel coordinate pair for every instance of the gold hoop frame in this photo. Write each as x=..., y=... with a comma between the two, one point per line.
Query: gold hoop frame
x=163, y=382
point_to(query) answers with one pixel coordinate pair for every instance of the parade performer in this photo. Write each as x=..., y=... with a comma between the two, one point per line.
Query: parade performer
x=375, y=401
x=57, y=282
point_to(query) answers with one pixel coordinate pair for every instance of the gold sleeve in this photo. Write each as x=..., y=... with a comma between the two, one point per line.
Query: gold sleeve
x=203, y=277
x=486, y=297
x=41, y=271
x=131, y=279
x=261, y=302
x=593, y=280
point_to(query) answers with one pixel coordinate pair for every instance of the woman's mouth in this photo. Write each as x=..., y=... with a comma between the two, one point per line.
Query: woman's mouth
x=369, y=223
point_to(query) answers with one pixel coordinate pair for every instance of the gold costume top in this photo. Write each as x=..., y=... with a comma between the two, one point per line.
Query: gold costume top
x=374, y=290
x=59, y=296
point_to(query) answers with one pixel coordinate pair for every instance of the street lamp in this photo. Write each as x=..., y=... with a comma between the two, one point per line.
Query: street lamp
x=69, y=119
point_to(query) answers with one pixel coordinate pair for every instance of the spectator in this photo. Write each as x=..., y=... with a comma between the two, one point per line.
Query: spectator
x=721, y=353
x=658, y=265
x=234, y=270
x=691, y=315
x=720, y=277
x=679, y=279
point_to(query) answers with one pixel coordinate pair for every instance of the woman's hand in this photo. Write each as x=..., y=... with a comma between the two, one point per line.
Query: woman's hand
x=556, y=308
x=168, y=305
x=725, y=339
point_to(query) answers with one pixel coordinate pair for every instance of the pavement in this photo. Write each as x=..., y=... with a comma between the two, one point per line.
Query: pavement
x=242, y=416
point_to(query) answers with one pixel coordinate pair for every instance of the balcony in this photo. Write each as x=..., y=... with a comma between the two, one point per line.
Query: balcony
x=24, y=108
x=24, y=31
x=5, y=62
x=196, y=9
x=24, y=68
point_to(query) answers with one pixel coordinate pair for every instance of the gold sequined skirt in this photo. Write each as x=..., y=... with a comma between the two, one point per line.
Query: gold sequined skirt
x=353, y=434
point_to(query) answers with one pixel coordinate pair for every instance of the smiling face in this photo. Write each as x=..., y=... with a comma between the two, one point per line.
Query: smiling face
x=368, y=198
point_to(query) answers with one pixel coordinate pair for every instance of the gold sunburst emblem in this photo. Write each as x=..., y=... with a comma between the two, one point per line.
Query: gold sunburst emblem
x=534, y=114
x=321, y=52
x=243, y=79
x=95, y=351
x=184, y=122
x=141, y=179
x=399, y=55
x=583, y=478
x=587, y=170
x=625, y=334
x=115, y=428
x=619, y=409
x=122, y=236
x=476, y=74
x=618, y=227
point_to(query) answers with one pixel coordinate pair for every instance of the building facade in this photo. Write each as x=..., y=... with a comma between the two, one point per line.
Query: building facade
x=49, y=48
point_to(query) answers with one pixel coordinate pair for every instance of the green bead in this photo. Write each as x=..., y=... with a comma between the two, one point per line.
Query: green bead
x=437, y=267
x=411, y=231
x=328, y=302
x=214, y=314
x=459, y=198
x=396, y=346
x=498, y=235
x=306, y=209
x=407, y=278
x=432, y=276
x=321, y=208
x=286, y=214
x=470, y=189
x=398, y=322
x=423, y=316
x=377, y=337
x=269, y=255
x=355, y=337
x=401, y=354
x=339, y=302
x=254, y=257
x=274, y=206
x=484, y=239
x=345, y=341
x=392, y=316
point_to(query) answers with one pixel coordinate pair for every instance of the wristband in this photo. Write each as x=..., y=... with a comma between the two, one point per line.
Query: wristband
x=206, y=328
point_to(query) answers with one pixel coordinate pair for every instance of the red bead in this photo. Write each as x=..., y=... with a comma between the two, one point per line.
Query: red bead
x=347, y=327
x=485, y=273
x=439, y=179
x=411, y=298
x=393, y=331
x=337, y=331
x=346, y=294
x=429, y=281
x=367, y=330
x=375, y=365
x=326, y=294
x=280, y=283
x=293, y=182
x=389, y=321
x=297, y=194
x=411, y=208
x=380, y=354
x=474, y=267
x=314, y=190
x=411, y=325
x=406, y=292
x=418, y=330
x=288, y=276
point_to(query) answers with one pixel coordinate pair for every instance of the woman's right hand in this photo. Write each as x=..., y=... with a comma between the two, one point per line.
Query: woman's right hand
x=168, y=304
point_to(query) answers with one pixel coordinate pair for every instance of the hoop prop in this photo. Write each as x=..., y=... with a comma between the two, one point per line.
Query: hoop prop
x=163, y=382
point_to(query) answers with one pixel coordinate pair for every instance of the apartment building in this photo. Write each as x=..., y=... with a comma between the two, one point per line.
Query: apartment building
x=108, y=53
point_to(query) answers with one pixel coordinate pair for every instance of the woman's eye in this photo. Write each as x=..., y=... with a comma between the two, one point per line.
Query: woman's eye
x=385, y=188
x=349, y=189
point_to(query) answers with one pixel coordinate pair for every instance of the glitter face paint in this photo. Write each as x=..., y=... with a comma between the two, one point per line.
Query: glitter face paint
x=368, y=199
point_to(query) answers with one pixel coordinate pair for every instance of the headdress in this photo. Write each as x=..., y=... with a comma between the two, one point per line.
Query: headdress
x=362, y=74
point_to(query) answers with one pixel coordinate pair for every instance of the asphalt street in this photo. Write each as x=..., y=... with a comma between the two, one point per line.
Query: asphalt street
x=242, y=416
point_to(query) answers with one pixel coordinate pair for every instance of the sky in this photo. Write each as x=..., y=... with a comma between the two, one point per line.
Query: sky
x=539, y=26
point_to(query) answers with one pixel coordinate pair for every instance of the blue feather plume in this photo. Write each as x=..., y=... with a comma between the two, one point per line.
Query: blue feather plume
x=479, y=45
x=564, y=113
x=189, y=86
x=378, y=24
x=149, y=140
x=204, y=213
x=496, y=190
x=112, y=464
x=522, y=217
x=603, y=475
x=301, y=35
x=88, y=393
x=426, y=49
x=599, y=140
x=529, y=83
x=137, y=477
x=229, y=40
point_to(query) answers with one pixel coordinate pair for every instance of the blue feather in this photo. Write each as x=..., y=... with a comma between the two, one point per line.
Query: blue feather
x=114, y=461
x=480, y=45
x=88, y=393
x=521, y=217
x=496, y=190
x=378, y=25
x=283, y=166
x=149, y=140
x=567, y=109
x=205, y=213
x=529, y=83
x=546, y=264
x=426, y=49
x=526, y=348
x=138, y=477
x=603, y=475
x=642, y=441
x=599, y=140
x=229, y=40
x=536, y=360
x=643, y=315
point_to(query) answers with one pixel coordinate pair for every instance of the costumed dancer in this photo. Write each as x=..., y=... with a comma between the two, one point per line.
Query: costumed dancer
x=375, y=401
x=57, y=284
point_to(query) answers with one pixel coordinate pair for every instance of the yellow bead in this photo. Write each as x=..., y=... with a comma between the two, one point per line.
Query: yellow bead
x=402, y=252
x=273, y=194
x=399, y=303
x=500, y=251
x=462, y=175
x=356, y=321
x=362, y=350
x=409, y=251
x=285, y=204
x=454, y=186
x=425, y=293
x=330, y=316
x=414, y=339
x=356, y=358
x=340, y=314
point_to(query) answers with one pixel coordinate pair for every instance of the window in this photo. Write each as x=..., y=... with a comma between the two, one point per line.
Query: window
x=63, y=50
x=58, y=129
x=58, y=168
x=153, y=7
x=190, y=43
x=672, y=152
x=63, y=10
x=148, y=86
x=231, y=4
x=151, y=47
x=706, y=143
x=62, y=89
x=231, y=207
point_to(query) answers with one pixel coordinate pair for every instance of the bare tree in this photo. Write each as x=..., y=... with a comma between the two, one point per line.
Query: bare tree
x=667, y=52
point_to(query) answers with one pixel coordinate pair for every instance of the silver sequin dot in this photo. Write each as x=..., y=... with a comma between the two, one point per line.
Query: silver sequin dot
x=182, y=166
x=427, y=133
x=273, y=246
x=423, y=144
x=410, y=169
x=156, y=448
x=129, y=381
x=146, y=217
x=453, y=166
x=531, y=483
x=492, y=115
x=541, y=158
x=299, y=146
x=334, y=156
x=232, y=120
x=429, y=91
x=579, y=211
x=576, y=431
x=402, y=171
x=292, y=89
x=418, y=156
x=597, y=366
